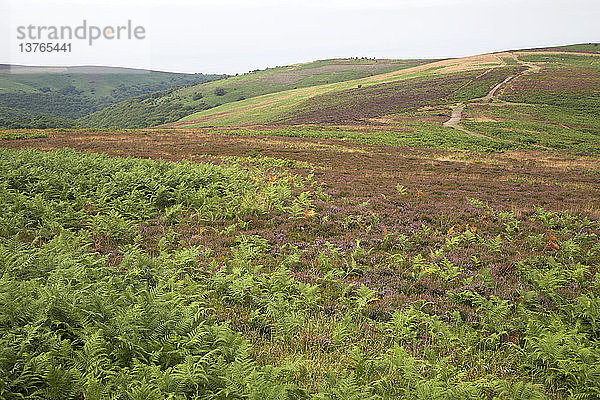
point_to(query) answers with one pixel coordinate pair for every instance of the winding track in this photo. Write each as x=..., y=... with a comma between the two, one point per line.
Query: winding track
x=491, y=96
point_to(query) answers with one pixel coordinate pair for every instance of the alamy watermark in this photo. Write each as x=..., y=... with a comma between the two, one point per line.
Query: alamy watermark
x=53, y=38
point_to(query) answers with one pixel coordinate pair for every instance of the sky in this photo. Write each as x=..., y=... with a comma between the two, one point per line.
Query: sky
x=234, y=36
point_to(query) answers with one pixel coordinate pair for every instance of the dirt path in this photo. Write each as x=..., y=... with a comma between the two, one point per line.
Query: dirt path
x=493, y=93
x=454, y=120
x=491, y=96
x=456, y=116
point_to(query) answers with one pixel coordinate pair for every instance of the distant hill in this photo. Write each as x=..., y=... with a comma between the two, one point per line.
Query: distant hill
x=169, y=106
x=577, y=48
x=69, y=93
x=77, y=69
x=14, y=118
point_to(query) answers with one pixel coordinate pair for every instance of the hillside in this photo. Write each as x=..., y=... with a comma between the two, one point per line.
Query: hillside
x=147, y=111
x=278, y=106
x=502, y=98
x=576, y=48
x=426, y=233
x=15, y=118
x=72, y=92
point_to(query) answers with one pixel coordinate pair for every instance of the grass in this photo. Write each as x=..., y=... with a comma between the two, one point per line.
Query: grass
x=536, y=135
x=417, y=134
x=539, y=113
x=569, y=128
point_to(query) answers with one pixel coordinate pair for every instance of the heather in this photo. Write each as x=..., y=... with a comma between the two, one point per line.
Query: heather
x=259, y=277
x=401, y=230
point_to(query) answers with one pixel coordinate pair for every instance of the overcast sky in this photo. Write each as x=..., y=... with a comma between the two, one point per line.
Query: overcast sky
x=234, y=36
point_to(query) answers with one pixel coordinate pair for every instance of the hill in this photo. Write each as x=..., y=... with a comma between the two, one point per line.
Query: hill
x=576, y=48
x=73, y=92
x=169, y=106
x=279, y=106
x=426, y=233
x=514, y=99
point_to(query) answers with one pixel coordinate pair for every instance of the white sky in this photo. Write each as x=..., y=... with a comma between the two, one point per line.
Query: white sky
x=231, y=36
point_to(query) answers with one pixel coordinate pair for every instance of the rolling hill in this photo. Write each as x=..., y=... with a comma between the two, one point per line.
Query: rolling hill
x=524, y=98
x=36, y=95
x=150, y=110
x=431, y=232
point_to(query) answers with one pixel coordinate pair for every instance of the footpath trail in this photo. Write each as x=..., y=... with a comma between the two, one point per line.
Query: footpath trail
x=491, y=96
x=454, y=121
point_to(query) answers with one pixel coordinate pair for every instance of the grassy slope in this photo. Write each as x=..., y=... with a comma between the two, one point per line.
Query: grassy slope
x=557, y=108
x=269, y=107
x=566, y=85
x=364, y=103
x=295, y=76
x=143, y=112
x=581, y=47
